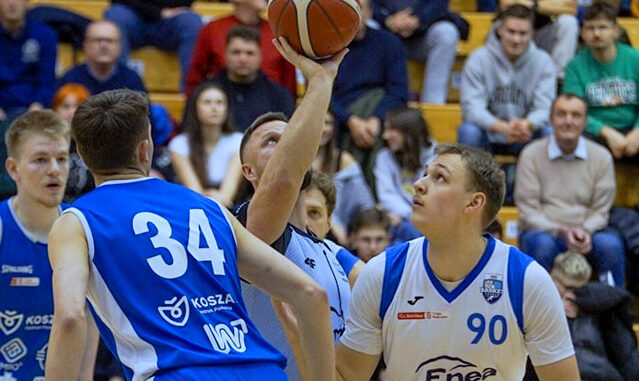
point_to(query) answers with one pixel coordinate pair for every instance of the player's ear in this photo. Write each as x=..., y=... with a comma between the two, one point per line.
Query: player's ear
x=249, y=172
x=145, y=151
x=476, y=203
x=12, y=168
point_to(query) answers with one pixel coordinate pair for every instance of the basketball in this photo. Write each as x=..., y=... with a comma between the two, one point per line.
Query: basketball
x=315, y=28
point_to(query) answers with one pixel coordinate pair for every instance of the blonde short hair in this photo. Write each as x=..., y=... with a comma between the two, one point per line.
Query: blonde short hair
x=573, y=265
x=45, y=122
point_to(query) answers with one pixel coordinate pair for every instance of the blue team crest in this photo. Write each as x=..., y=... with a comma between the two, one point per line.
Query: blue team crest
x=492, y=288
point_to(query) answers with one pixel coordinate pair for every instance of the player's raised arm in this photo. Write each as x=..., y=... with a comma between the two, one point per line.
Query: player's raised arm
x=277, y=276
x=68, y=253
x=279, y=185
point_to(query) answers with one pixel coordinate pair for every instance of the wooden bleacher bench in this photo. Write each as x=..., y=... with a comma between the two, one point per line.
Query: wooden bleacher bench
x=94, y=9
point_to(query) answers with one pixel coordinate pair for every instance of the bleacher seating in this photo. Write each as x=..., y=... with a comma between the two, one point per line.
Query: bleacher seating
x=161, y=72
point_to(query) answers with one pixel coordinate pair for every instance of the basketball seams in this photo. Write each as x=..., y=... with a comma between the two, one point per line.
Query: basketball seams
x=280, y=16
x=301, y=6
x=330, y=20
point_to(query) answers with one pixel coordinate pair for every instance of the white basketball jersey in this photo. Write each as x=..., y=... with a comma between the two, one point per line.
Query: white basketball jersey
x=474, y=331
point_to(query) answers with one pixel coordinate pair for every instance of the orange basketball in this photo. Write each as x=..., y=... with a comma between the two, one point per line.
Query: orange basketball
x=315, y=28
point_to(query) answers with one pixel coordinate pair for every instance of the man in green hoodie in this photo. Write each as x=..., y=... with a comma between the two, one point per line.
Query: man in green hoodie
x=606, y=74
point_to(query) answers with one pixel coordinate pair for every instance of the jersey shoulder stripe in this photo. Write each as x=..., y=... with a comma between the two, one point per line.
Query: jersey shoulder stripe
x=394, y=267
x=517, y=264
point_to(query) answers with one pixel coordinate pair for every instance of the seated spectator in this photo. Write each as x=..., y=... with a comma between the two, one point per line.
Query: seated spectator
x=409, y=148
x=564, y=190
x=27, y=61
x=606, y=74
x=65, y=101
x=353, y=194
x=371, y=80
x=102, y=71
x=429, y=34
x=369, y=233
x=166, y=24
x=556, y=28
x=250, y=92
x=507, y=87
x=206, y=155
x=208, y=54
x=600, y=322
x=320, y=204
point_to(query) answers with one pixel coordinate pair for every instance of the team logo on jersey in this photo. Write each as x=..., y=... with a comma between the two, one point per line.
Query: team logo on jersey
x=7, y=376
x=10, y=321
x=41, y=355
x=175, y=312
x=22, y=281
x=492, y=288
x=453, y=368
x=13, y=350
x=224, y=338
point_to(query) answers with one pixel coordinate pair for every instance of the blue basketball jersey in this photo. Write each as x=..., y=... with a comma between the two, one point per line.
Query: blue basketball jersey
x=26, y=300
x=164, y=285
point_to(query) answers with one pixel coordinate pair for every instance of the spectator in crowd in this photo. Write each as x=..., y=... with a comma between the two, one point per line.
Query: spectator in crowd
x=361, y=98
x=102, y=71
x=409, y=148
x=600, y=322
x=507, y=87
x=606, y=75
x=369, y=233
x=27, y=61
x=570, y=214
x=209, y=53
x=556, y=28
x=166, y=24
x=205, y=156
x=353, y=194
x=65, y=101
x=429, y=34
x=250, y=93
x=320, y=204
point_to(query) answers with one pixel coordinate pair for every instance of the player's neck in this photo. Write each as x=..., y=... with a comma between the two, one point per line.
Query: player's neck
x=34, y=216
x=124, y=174
x=452, y=258
x=298, y=216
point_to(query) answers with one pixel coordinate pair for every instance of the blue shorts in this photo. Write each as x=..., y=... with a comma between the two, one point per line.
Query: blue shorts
x=237, y=372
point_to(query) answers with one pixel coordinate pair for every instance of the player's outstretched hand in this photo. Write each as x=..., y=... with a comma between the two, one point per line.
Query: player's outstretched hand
x=309, y=67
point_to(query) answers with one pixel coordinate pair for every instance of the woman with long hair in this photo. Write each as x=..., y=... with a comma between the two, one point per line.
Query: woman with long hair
x=205, y=156
x=65, y=101
x=353, y=194
x=409, y=148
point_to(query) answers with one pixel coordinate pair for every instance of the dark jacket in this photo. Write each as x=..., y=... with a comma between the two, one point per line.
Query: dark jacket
x=428, y=12
x=150, y=10
x=626, y=221
x=247, y=101
x=605, y=344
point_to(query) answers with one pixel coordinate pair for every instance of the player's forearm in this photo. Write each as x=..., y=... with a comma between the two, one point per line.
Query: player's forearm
x=90, y=349
x=300, y=142
x=316, y=336
x=66, y=347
